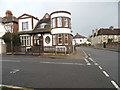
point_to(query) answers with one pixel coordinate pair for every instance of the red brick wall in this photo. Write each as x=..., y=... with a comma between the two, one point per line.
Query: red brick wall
x=15, y=27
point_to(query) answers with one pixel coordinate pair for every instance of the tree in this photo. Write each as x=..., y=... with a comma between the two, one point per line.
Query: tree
x=89, y=40
x=8, y=37
x=11, y=40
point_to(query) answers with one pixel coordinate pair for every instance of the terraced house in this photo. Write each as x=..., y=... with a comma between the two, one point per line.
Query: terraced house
x=105, y=36
x=52, y=33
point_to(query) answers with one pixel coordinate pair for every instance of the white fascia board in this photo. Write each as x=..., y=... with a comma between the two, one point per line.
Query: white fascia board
x=61, y=30
x=60, y=15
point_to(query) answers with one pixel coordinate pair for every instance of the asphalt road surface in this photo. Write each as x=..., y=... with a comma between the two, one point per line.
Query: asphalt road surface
x=37, y=72
x=108, y=59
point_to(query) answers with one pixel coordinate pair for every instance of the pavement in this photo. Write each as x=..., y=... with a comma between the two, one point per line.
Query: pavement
x=36, y=72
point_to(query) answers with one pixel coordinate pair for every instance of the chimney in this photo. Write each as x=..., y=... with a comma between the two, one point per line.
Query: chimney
x=96, y=31
x=111, y=27
x=8, y=13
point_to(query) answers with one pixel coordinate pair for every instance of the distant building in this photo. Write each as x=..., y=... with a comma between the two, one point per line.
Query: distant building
x=103, y=35
x=79, y=39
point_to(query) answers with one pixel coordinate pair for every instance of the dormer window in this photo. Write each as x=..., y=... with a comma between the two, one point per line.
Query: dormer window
x=42, y=26
x=47, y=16
x=24, y=25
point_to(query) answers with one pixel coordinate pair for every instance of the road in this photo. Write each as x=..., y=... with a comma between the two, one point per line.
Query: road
x=37, y=72
x=108, y=59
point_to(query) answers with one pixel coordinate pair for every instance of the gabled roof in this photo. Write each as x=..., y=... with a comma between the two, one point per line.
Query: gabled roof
x=46, y=16
x=79, y=36
x=37, y=27
x=9, y=19
x=103, y=31
x=27, y=16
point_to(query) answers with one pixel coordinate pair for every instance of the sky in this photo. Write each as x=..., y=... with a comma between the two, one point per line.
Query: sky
x=86, y=15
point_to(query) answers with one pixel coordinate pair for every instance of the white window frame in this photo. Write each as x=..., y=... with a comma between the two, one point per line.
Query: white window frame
x=25, y=40
x=25, y=26
x=59, y=21
x=54, y=22
x=65, y=22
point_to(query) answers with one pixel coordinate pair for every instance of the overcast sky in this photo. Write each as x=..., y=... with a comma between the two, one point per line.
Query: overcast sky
x=85, y=15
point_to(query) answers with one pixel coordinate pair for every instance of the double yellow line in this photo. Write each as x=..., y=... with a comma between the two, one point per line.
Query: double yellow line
x=15, y=87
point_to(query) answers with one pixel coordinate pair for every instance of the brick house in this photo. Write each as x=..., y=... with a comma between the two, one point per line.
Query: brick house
x=9, y=23
x=50, y=34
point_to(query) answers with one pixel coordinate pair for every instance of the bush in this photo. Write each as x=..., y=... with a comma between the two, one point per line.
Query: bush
x=110, y=40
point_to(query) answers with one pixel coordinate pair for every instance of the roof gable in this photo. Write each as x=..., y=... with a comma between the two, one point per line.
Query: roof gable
x=27, y=16
x=79, y=36
x=46, y=16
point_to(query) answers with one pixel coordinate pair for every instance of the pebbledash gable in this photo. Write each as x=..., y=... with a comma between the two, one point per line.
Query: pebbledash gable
x=52, y=32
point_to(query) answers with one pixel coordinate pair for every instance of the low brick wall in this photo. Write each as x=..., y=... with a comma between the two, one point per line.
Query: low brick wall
x=113, y=45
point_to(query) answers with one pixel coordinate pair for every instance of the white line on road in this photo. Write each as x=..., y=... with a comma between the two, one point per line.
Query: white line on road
x=9, y=61
x=96, y=63
x=63, y=63
x=100, y=67
x=85, y=53
x=87, y=62
x=14, y=71
x=105, y=74
x=116, y=86
x=91, y=59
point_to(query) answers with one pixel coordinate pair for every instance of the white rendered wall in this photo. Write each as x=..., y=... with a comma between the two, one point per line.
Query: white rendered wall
x=2, y=30
x=44, y=36
x=60, y=14
x=61, y=30
x=80, y=40
x=29, y=20
x=34, y=22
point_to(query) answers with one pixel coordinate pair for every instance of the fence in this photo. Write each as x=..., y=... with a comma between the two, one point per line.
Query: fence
x=45, y=49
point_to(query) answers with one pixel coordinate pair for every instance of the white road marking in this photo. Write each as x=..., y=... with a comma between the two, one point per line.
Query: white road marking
x=100, y=67
x=64, y=63
x=91, y=59
x=87, y=62
x=105, y=74
x=85, y=53
x=9, y=61
x=96, y=63
x=116, y=86
x=14, y=71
